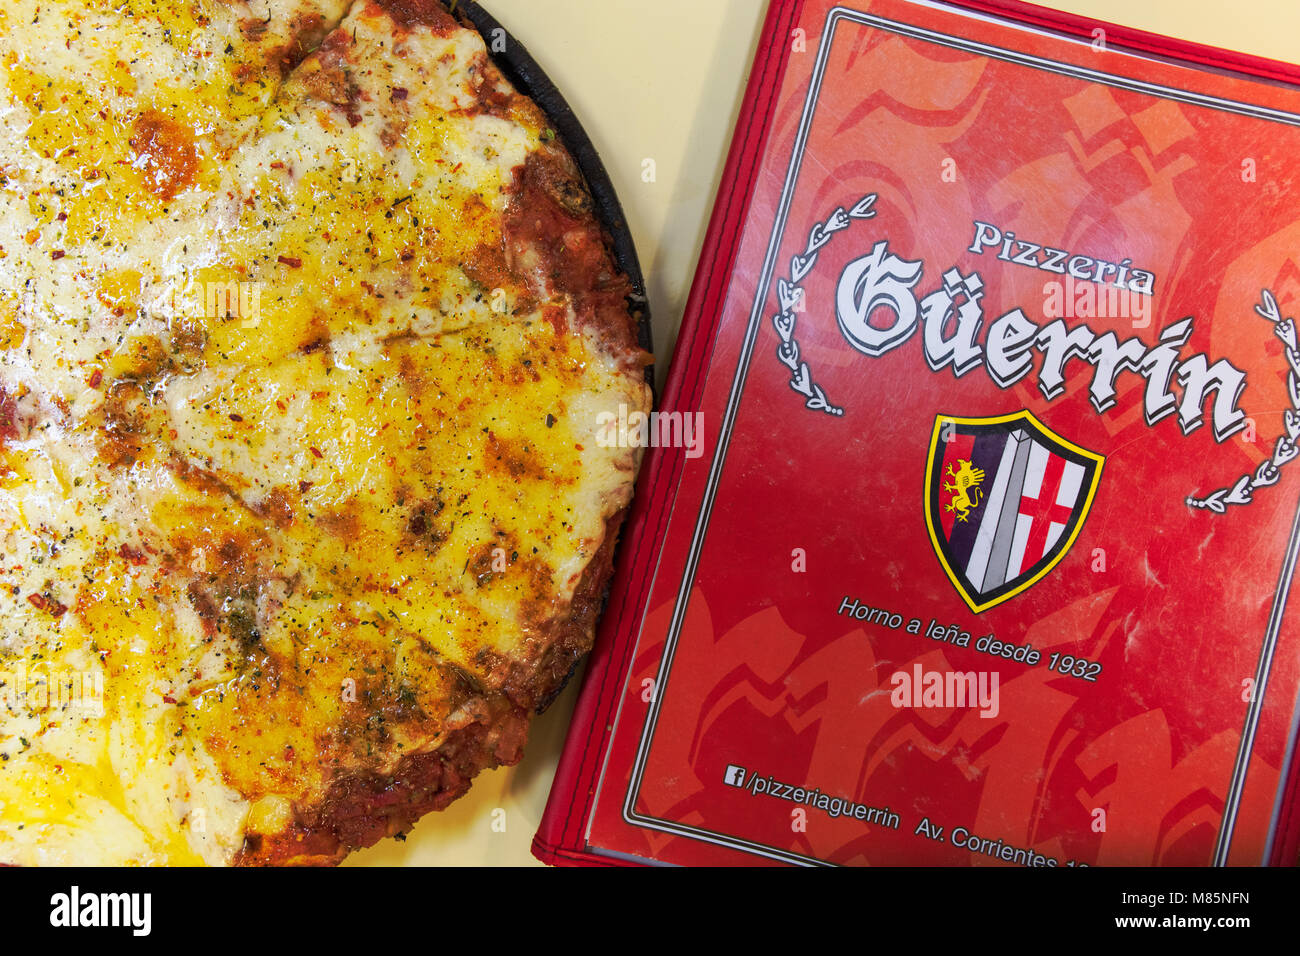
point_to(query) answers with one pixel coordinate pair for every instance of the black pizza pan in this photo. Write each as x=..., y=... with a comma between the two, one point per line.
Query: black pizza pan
x=530, y=79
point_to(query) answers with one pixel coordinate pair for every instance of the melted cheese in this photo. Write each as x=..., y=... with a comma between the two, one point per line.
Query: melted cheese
x=278, y=465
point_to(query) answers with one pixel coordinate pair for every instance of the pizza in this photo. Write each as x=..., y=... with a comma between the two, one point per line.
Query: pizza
x=307, y=334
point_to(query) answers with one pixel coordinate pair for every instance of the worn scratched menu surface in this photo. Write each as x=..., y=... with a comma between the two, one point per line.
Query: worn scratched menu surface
x=987, y=555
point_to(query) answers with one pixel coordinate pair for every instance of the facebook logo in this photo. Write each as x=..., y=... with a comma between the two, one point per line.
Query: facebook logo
x=735, y=776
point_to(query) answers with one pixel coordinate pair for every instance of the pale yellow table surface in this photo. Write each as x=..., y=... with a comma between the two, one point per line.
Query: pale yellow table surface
x=661, y=80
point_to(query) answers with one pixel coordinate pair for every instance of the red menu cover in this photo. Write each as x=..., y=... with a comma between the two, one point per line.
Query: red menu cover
x=968, y=529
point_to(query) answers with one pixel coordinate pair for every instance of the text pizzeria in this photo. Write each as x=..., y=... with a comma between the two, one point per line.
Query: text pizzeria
x=877, y=311
x=1024, y=253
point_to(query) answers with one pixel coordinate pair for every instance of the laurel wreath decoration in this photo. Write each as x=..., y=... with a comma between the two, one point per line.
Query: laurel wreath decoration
x=1285, y=449
x=790, y=295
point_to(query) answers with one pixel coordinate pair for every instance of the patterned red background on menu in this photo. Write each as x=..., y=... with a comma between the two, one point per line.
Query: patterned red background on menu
x=812, y=507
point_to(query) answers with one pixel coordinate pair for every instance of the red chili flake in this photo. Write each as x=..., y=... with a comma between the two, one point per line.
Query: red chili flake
x=290, y=261
x=96, y=377
x=399, y=93
x=281, y=405
x=407, y=256
x=130, y=554
x=316, y=451
x=48, y=605
x=57, y=254
x=236, y=418
x=304, y=487
x=277, y=165
x=579, y=447
x=63, y=217
x=168, y=699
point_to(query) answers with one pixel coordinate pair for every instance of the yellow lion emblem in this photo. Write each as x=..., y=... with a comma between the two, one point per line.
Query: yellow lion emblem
x=965, y=488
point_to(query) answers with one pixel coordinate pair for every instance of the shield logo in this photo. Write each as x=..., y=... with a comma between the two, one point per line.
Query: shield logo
x=1005, y=498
